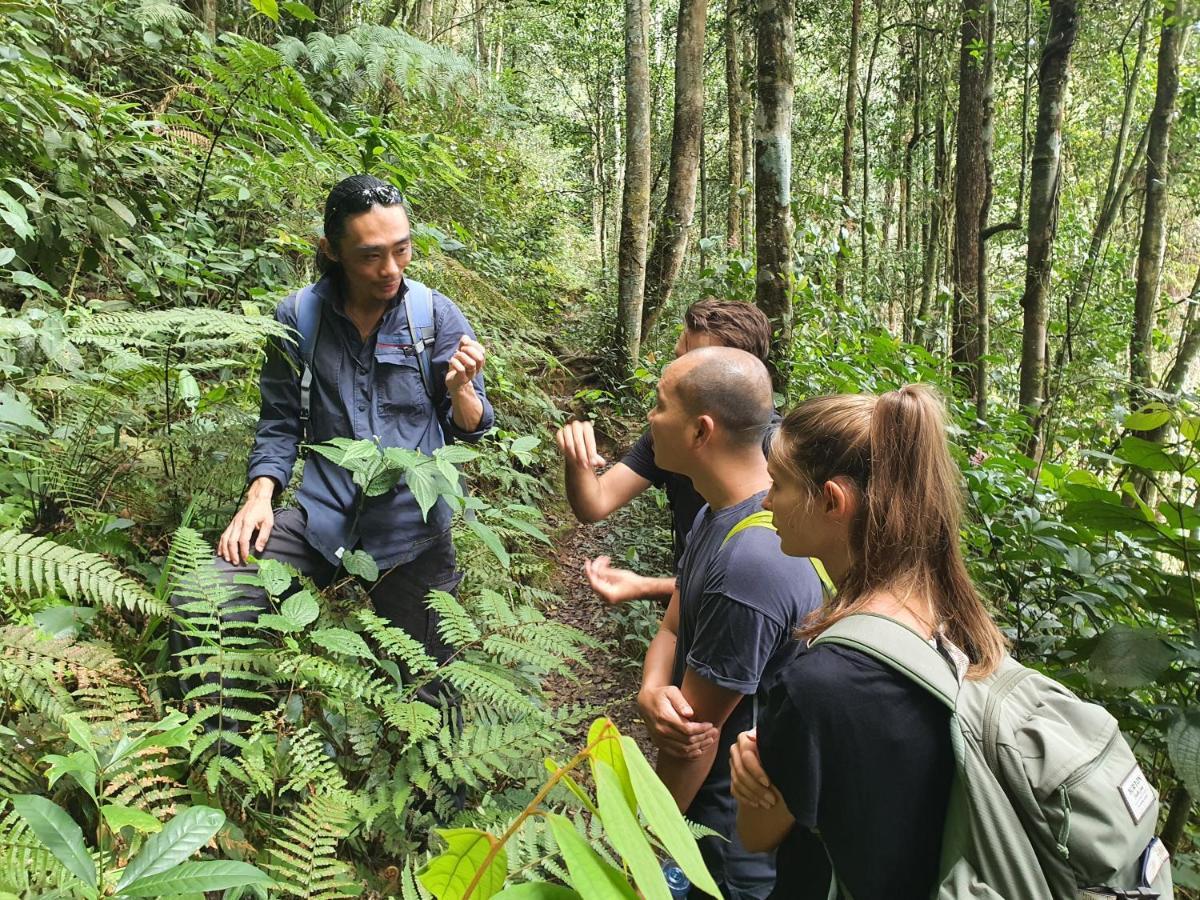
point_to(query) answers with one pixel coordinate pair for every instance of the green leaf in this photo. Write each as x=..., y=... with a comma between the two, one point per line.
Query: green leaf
x=456, y=454
x=268, y=8
x=118, y=816
x=423, y=488
x=1129, y=657
x=63, y=621
x=16, y=411
x=122, y=211
x=662, y=813
x=301, y=609
x=298, y=10
x=1149, y=456
x=340, y=640
x=590, y=875
x=80, y=765
x=538, y=890
x=1148, y=418
x=59, y=833
x=7, y=255
x=573, y=786
x=198, y=877
x=605, y=741
x=180, y=838
x=448, y=875
x=361, y=564
x=623, y=831
x=490, y=539
x=274, y=576
x=1183, y=745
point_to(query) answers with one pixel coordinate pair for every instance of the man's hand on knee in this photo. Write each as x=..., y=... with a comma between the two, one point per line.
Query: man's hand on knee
x=255, y=517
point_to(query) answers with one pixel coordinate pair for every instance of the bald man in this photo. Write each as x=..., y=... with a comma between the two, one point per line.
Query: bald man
x=728, y=627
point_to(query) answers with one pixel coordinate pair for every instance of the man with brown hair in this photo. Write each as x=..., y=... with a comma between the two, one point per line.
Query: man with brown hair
x=595, y=495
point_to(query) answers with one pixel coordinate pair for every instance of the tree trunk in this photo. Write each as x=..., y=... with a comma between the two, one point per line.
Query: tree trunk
x=635, y=201
x=1154, y=218
x=423, y=22
x=851, y=110
x=866, y=148
x=1189, y=344
x=933, y=238
x=749, y=67
x=1043, y=199
x=671, y=235
x=478, y=23
x=733, y=95
x=972, y=197
x=773, y=177
x=208, y=15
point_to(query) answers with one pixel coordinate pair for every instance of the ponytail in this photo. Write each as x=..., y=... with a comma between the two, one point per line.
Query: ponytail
x=905, y=535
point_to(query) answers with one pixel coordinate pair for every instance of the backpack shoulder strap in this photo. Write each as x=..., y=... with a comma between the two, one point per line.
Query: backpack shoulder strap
x=763, y=518
x=418, y=308
x=898, y=646
x=308, y=323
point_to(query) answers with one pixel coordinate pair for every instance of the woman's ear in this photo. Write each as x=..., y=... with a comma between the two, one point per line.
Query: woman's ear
x=840, y=500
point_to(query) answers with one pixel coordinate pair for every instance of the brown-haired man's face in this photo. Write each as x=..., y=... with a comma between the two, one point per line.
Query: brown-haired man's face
x=693, y=340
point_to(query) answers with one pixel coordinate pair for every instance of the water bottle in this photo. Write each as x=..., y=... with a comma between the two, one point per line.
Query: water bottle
x=677, y=882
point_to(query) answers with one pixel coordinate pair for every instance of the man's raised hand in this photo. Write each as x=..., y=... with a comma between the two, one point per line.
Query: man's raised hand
x=613, y=585
x=465, y=364
x=577, y=441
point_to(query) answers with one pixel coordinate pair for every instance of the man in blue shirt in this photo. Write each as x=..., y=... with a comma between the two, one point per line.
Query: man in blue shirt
x=366, y=384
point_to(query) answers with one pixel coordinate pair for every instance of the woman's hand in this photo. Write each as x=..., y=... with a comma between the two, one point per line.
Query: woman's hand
x=749, y=783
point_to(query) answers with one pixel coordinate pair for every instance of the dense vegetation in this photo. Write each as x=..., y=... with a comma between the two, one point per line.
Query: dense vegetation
x=905, y=205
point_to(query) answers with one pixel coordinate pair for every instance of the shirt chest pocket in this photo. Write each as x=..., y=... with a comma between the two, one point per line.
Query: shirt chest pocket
x=398, y=373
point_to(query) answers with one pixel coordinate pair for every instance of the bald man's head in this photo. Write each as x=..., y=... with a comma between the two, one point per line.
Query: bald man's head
x=730, y=385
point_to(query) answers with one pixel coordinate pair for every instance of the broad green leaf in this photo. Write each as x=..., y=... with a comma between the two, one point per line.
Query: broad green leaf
x=522, y=525
x=342, y=641
x=274, y=576
x=624, y=832
x=448, y=875
x=59, y=833
x=1147, y=455
x=122, y=211
x=118, y=816
x=16, y=411
x=1129, y=658
x=198, y=877
x=186, y=833
x=1148, y=418
x=1183, y=745
x=79, y=732
x=298, y=10
x=269, y=8
x=456, y=454
x=589, y=874
x=7, y=255
x=361, y=564
x=538, y=890
x=80, y=765
x=423, y=489
x=63, y=621
x=662, y=813
x=605, y=741
x=301, y=609
x=28, y=279
x=490, y=539
x=525, y=445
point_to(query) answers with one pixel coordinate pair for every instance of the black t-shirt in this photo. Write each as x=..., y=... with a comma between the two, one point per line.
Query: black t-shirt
x=739, y=603
x=862, y=755
x=681, y=496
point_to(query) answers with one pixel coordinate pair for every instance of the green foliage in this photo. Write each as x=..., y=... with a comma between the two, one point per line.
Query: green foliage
x=476, y=863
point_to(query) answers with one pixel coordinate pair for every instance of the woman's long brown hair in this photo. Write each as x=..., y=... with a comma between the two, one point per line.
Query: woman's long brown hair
x=905, y=536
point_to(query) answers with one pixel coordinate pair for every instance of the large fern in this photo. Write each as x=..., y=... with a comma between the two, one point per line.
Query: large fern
x=303, y=856
x=27, y=868
x=36, y=565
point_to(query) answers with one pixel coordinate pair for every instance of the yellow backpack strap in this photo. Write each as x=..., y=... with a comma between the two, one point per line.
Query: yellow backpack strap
x=765, y=519
x=759, y=519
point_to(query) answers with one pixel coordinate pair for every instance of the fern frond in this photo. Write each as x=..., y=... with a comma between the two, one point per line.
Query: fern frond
x=396, y=642
x=303, y=853
x=27, y=868
x=456, y=626
x=30, y=564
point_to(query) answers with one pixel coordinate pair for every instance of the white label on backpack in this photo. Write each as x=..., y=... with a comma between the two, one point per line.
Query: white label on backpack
x=1155, y=857
x=1137, y=794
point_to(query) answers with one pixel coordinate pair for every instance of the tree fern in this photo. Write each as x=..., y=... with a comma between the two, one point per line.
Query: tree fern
x=30, y=564
x=303, y=852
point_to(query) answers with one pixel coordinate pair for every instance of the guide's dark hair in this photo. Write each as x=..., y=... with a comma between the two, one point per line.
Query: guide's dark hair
x=349, y=197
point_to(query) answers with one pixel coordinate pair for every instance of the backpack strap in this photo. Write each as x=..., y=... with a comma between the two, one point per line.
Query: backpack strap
x=418, y=308
x=763, y=518
x=308, y=323
x=898, y=646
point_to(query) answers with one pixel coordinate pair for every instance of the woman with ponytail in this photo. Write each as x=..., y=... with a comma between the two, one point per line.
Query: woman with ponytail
x=851, y=762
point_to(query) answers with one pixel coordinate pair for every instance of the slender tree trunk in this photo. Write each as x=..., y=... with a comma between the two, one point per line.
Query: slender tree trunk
x=671, y=236
x=851, y=111
x=1115, y=190
x=480, y=35
x=1189, y=344
x=733, y=94
x=773, y=177
x=933, y=242
x=1152, y=246
x=1043, y=199
x=972, y=197
x=423, y=22
x=749, y=68
x=208, y=15
x=866, y=147
x=635, y=203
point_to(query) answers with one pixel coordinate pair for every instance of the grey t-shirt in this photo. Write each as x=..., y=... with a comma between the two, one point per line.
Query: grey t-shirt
x=739, y=603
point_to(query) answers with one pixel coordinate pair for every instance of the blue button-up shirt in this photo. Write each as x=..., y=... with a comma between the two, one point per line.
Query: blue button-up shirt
x=369, y=390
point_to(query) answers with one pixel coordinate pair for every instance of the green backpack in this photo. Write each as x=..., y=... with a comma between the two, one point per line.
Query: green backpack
x=1049, y=802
